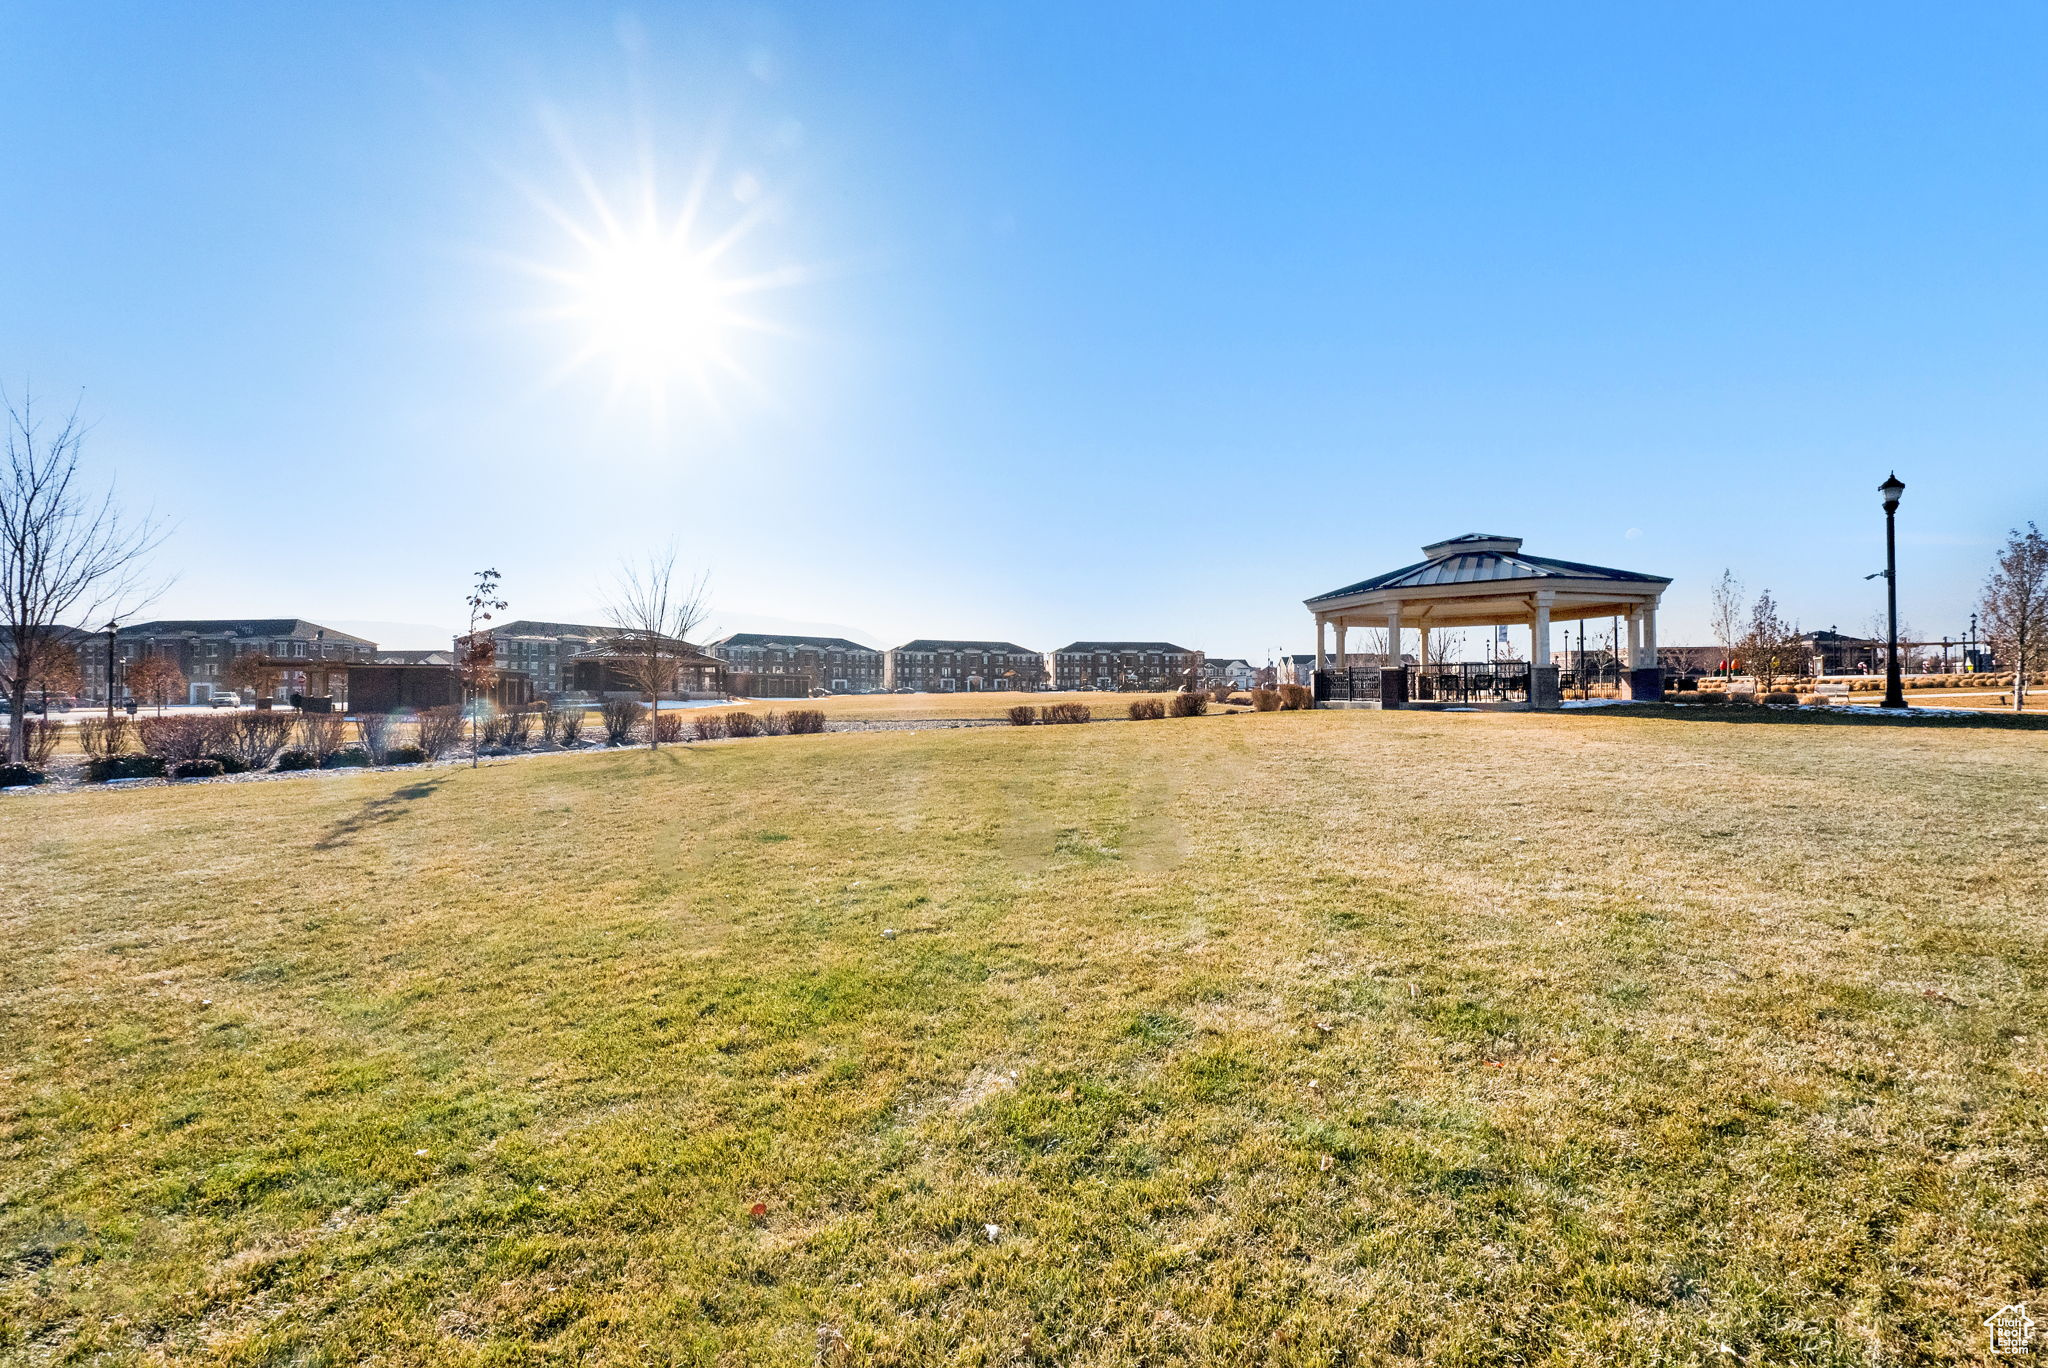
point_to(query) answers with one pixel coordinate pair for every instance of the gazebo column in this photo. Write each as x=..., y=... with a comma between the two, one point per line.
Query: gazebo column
x=1341, y=664
x=1645, y=677
x=1393, y=678
x=1543, y=686
x=1319, y=641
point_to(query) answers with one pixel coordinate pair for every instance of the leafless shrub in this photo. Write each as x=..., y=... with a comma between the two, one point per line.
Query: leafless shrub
x=1778, y=696
x=1296, y=697
x=39, y=740
x=804, y=721
x=707, y=726
x=321, y=734
x=620, y=716
x=550, y=719
x=772, y=724
x=189, y=737
x=518, y=728
x=100, y=737
x=569, y=724
x=1221, y=693
x=1147, y=710
x=1023, y=715
x=374, y=731
x=1058, y=713
x=742, y=724
x=440, y=730
x=1188, y=705
x=255, y=738
x=668, y=726
x=1265, y=700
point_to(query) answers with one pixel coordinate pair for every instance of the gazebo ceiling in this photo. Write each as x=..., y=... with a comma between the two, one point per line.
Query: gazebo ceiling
x=1481, y=578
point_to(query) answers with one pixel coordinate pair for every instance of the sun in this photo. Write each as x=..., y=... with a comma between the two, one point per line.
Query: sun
x=652, y=293
x=653, y=306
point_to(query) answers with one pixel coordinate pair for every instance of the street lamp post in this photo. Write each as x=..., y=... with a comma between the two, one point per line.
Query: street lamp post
x=1891, y=489
x=112, y=628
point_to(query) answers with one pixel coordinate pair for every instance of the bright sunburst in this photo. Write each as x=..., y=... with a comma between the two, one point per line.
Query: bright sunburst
x=651, y=296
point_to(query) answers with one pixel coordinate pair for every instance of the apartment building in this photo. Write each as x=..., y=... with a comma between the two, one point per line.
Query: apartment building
x=201, y=648
x=1125, y=665
x=832, y=663
x=542, y=650
x=931, y=665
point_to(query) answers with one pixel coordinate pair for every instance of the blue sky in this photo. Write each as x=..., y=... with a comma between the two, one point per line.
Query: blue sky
x=1134, y=320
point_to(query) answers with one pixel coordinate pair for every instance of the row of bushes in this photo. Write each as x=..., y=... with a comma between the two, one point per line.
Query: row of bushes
x=717, y=726
x=1052, y=714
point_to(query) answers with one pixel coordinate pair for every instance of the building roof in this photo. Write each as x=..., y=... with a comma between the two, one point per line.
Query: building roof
x=1481, y=558
x=532, y=628
x=938, y=644
x=1163, y=647
x=239, y=627
x=415, y=658
x=777, y=639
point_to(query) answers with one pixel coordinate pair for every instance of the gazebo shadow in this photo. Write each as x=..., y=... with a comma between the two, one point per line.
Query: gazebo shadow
x=1751, y=714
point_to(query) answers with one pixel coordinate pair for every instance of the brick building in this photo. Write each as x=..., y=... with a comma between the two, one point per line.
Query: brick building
x=928, y=665
x=832, y=663
x=542, y=650
x=1125, y=665
x=202, y=647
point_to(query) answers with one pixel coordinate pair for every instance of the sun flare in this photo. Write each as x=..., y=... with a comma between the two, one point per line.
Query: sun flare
x=653, y=307
x=652, y=295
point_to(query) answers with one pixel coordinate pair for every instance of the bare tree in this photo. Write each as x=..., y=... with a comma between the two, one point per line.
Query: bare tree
x=476, y=654
x=2014, y=608
x=1726, y=618
x=1440, y=642
x=156, y=679
x=1770, y=645
x=655, y=612
x=65, y=552
x=248, y=670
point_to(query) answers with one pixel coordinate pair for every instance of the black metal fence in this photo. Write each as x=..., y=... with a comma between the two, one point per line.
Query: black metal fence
x=1355, y=685
x=1478, y=681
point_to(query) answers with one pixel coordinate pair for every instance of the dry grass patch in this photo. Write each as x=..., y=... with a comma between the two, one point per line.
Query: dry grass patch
x=1306, y=1038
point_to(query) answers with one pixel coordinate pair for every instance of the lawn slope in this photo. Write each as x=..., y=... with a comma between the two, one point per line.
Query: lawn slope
x=1296, y=1038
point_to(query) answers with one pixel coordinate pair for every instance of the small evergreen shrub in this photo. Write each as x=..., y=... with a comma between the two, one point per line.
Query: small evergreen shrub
x=1023, y=715
x=1189, y=705
x=1147, y=710
x=405, y=755
x=296, y=759
x=349, y=757
x=16, y=776
x=229, y=762
x=104, y=768
x=207, y=768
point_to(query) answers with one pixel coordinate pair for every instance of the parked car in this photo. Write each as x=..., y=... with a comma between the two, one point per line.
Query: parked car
x=224, y=701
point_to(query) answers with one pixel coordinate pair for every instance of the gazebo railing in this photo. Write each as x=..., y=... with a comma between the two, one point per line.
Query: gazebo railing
x=1348, y=685
x=1476, y=681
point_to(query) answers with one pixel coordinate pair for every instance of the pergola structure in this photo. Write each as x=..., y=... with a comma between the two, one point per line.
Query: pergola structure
x=1479, y=580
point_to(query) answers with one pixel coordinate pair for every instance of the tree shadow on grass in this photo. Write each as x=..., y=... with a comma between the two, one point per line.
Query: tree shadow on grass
x=376, y=812
x=1925, y=719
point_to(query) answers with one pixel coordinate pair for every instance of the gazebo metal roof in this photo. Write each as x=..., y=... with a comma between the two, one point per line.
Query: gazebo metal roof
x=1479, y=558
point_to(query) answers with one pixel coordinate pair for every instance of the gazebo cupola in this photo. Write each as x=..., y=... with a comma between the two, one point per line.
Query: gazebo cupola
x=1479, y=580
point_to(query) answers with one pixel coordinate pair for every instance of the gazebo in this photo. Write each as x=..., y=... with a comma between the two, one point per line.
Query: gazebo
x=1479, y=580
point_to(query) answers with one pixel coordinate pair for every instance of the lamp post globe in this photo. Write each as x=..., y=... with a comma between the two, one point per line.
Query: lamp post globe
x=1891, y=489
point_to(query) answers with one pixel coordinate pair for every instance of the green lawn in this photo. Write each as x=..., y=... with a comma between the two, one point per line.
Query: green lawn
x=1296, y=1038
